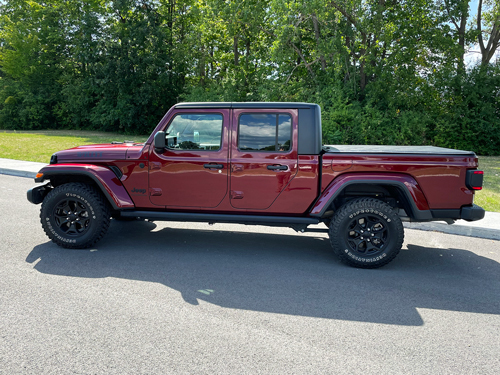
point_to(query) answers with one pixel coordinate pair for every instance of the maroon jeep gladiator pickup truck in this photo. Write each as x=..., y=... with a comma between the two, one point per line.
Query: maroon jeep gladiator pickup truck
x=257, y=163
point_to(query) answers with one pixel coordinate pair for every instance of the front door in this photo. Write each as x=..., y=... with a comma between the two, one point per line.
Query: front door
x=193, y=169
x=263, y=156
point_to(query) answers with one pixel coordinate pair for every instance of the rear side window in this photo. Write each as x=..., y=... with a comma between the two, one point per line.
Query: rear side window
x=265, y=132
x=195, y=132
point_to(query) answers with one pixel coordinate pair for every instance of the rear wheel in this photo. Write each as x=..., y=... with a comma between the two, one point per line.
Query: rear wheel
x=75, y=215
x=366, y=233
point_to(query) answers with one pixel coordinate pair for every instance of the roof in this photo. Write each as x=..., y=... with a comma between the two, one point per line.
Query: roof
x=237, y=105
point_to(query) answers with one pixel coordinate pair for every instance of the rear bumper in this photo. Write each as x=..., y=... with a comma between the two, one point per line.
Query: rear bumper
x=468, y=213
x=472, y=213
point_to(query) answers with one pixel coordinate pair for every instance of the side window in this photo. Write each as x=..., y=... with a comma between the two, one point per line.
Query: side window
x=195, y=132
x=265, y=132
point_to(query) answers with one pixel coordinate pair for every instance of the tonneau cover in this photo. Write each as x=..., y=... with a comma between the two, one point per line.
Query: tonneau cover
x=374, y=149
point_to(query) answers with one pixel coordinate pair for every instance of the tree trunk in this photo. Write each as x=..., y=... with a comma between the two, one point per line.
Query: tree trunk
x=461, y=30
x=202, y=66
x=461, y=41
x=488, y=51
x=235, y=50
x=317, y=35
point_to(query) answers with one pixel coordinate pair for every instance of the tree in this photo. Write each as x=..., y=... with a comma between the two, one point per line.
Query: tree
x=491, y=18
x=33, y=58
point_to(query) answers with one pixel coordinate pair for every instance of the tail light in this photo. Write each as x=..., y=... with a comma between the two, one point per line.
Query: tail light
x=474, y=179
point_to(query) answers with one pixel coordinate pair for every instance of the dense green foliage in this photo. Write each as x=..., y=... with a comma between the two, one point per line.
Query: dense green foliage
x=383, y=71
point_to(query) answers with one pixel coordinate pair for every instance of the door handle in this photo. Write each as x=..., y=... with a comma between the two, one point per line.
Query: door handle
x=210, y=166
x=277, y=167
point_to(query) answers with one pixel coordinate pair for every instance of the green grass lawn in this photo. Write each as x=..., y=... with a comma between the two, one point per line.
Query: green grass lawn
x=489, y=197
x=39, y=146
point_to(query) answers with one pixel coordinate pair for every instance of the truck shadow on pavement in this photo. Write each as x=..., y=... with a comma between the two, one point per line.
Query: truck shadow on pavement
x=285, y=274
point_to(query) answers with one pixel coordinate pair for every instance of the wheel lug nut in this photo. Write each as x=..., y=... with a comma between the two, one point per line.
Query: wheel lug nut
x=373, y=234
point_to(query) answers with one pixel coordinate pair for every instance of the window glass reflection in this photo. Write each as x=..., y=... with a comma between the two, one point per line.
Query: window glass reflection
x=195, y=132
x=264, y=132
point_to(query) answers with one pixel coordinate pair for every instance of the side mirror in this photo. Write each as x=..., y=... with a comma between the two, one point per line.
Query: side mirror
x=159, y=142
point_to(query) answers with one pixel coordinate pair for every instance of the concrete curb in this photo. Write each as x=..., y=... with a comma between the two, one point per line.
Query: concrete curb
x=457, y=229
x=17, y=173
x=20, y=168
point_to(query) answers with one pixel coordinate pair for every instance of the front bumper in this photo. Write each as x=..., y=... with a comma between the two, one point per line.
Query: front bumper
x=37, y=194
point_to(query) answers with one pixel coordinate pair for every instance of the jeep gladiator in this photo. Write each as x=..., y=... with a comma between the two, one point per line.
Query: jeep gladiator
x=257, y=163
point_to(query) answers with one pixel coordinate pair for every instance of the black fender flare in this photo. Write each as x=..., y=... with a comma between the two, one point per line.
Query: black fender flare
x=105, y=179
x=406, y=184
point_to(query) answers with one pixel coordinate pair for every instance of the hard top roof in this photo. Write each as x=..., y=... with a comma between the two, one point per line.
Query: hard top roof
x=237, y=105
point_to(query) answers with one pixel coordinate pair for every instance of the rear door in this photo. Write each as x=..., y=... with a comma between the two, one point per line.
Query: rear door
x=263, y=156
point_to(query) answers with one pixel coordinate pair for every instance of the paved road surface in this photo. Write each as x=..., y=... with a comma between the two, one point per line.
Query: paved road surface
x=158, y=298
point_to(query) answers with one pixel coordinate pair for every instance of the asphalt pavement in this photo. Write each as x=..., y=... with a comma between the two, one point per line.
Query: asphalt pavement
x=189, y=298
x=488, y=228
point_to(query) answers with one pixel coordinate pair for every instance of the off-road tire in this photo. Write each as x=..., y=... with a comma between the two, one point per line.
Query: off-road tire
x=366, y=233
x=75, y=215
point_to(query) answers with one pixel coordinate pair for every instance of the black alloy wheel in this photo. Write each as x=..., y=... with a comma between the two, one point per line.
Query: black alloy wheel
x=367, y=234
x=72, y=217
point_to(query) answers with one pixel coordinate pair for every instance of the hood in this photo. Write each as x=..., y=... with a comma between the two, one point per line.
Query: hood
x=93, y=153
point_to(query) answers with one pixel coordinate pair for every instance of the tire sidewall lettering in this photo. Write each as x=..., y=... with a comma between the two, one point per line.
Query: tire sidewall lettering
x=59, y=237
x=364, y=260
x=91, y=208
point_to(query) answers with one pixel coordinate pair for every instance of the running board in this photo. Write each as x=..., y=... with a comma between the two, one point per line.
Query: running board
x=316, y=230
x=223, y=218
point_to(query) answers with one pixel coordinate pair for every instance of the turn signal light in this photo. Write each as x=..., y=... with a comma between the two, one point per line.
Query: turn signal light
x=38, y=175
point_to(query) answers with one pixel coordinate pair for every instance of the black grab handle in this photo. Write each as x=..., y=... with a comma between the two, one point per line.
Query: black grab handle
x=277, y=167
x=209, y=166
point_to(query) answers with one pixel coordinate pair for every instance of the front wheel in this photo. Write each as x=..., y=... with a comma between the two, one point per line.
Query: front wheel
x=366, y=233
x=75, y=215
